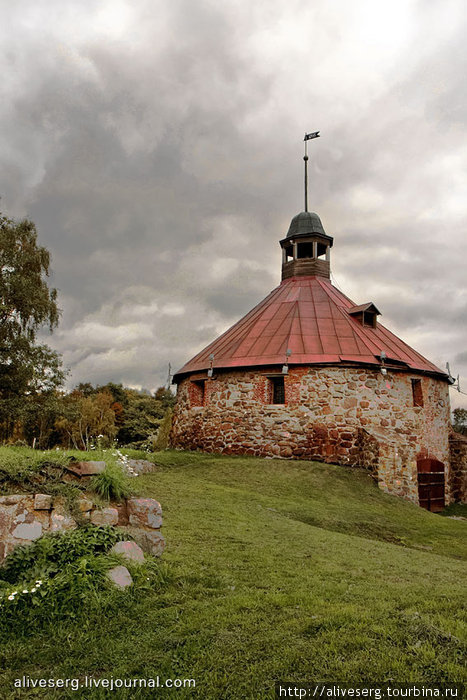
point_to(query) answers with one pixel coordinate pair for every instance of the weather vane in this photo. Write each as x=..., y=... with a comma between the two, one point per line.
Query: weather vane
x=313, y=135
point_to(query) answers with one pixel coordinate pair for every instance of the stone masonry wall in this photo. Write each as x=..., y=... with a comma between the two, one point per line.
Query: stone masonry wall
x=26, y=517
x=458, y=446
x=344, y=415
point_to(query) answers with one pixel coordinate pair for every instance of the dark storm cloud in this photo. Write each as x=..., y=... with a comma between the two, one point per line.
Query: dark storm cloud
x=461, y=358
x=158, y=148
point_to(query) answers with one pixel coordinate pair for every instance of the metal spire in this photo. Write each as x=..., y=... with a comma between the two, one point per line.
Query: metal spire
x=313, y=135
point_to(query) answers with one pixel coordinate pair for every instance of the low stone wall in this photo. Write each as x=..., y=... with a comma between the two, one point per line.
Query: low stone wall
x=344, y=415
x=25, y=517
x=458, y=448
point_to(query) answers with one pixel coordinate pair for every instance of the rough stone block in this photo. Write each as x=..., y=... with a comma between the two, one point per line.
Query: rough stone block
x=140, y=466
x=84, y=505
x=85, y=468
x=12, y=500
x=156, y=543
x=105, y=516
x=120, y=576
x=144, y=512
x=42, y=501
x=150, y=541
x=129, y=550
x=28, y=531
x=61, y=521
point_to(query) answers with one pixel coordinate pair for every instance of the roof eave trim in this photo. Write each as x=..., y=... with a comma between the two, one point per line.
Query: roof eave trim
x=343, y=362
x=307, y=235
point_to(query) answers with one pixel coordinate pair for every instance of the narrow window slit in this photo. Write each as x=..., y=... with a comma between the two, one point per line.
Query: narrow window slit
x=417, y=392
x=277, y=390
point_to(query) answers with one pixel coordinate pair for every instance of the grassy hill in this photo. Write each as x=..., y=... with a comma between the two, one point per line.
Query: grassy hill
x=273, y=570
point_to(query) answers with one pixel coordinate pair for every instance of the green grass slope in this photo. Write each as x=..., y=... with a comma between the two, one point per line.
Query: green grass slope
x=273, y=570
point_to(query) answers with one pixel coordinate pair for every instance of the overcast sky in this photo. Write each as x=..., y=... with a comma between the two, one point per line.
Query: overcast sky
x=158, y=147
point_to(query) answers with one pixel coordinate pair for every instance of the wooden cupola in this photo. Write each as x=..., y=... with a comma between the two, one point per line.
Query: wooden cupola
x=306, y=248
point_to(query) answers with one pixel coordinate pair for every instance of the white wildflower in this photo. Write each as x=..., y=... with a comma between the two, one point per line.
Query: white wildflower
x=11, y=597
x=33, y=590
x=25, y=590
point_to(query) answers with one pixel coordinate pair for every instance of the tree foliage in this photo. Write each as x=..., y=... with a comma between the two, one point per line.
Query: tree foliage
x=460, y=420
x=90, y=416
x=83, y=420
x=26, y=302
x=137, y=413
x=32, y=407
x=26, y=305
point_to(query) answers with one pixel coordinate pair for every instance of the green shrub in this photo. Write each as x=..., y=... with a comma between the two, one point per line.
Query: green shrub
x=63, y=577
x=79, y=583
x=50, y=553
x=111, y=483
x=56, y=575
x=162, y=439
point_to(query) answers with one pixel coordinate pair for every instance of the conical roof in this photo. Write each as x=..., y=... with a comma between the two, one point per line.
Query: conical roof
x=309, y=316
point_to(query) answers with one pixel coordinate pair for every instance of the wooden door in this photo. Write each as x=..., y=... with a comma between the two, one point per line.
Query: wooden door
x=430, y=484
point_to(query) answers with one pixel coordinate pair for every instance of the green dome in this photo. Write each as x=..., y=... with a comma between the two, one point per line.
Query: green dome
x=305, y=222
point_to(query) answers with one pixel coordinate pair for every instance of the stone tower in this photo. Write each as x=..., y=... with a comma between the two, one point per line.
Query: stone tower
x=308, y=374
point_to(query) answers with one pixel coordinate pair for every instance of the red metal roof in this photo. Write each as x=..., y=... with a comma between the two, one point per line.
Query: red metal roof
x=309, y=316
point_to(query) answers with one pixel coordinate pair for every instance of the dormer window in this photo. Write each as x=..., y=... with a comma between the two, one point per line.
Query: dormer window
x=369, y=319
x=366, y=314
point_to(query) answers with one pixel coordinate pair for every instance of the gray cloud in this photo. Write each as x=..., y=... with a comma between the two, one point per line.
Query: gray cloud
x=157, y=146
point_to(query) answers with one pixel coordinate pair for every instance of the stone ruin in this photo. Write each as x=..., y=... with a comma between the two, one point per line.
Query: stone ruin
x=24, y=517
